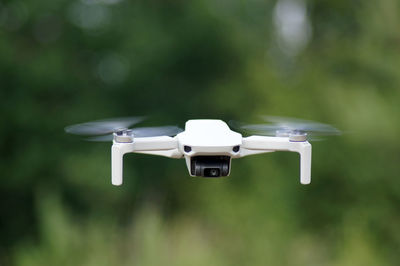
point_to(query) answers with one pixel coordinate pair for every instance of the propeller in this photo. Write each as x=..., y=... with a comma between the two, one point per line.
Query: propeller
x=143, y=132
x=103, y=130
x=285, y=126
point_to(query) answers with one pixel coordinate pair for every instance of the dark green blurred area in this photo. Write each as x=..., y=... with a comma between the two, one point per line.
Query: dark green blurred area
x=66, y=62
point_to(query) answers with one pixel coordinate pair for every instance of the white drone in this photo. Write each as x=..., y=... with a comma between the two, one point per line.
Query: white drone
x=208, y=146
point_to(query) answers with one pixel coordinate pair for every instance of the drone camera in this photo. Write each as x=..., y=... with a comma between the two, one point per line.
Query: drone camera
x=212, y=172
x=210, y=166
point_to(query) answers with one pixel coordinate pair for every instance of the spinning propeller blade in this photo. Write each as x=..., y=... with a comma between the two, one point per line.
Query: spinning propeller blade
x=102, y=130
x=143, y=132
x=102, y=127
x=277, y=125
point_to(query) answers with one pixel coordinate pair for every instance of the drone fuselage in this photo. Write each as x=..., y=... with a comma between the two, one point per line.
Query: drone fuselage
x=208, y=147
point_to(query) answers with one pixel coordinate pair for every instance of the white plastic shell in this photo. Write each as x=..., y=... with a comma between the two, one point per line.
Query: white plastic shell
x=208, y=137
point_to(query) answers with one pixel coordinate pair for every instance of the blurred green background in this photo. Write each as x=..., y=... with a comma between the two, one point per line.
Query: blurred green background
x=65, y=62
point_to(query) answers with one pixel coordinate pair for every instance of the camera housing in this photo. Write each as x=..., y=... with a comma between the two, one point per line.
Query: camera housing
x=210, y=166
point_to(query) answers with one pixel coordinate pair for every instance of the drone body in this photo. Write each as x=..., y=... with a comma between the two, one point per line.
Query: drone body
x=208, y=147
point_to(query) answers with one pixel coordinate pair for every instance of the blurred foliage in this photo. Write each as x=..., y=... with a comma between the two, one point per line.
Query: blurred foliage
x=65, y=62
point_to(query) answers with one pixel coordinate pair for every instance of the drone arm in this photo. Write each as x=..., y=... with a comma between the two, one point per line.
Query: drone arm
x=152, y=145
x=256, y=144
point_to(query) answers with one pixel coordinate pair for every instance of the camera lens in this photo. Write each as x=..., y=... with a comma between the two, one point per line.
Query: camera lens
x=212, y=172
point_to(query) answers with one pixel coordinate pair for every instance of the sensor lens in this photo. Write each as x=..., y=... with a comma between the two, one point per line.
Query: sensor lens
x=236, y=148
x=211, y=172
x=187, y=148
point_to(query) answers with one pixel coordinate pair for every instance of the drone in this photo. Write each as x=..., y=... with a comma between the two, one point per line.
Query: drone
x=207, y=145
